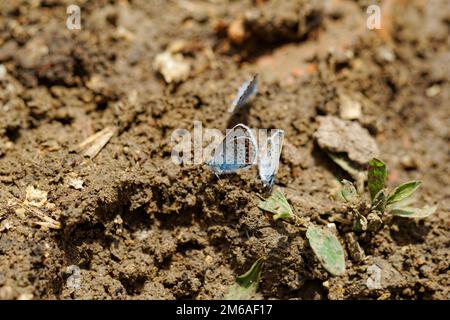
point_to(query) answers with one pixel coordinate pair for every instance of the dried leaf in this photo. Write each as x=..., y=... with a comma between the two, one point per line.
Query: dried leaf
x=327, y=249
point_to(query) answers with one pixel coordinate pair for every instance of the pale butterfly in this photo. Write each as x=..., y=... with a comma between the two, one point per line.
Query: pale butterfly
x=238, y=150
x=269, y=158
x=245, y=93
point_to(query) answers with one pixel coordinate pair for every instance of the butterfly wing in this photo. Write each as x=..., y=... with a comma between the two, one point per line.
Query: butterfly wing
x=238, y=150
x=246, y=92
x=269, y=158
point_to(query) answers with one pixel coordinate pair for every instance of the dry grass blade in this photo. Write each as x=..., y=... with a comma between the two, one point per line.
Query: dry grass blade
x=45, y=221
x=92, y=145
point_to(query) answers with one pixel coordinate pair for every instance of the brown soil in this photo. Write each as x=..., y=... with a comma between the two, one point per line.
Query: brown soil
x=143, y=227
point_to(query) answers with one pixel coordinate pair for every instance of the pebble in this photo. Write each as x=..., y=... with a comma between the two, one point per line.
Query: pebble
x=172, y=67
x=349, y=109
x=236, y=31
x=408, y=162
x=76, y=183
x=3, y=72
x=6, y=293
x=433, y=91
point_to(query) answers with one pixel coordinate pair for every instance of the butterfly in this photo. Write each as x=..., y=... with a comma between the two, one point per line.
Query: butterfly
x=238, y=150
x=269, y=158
x=245, y=93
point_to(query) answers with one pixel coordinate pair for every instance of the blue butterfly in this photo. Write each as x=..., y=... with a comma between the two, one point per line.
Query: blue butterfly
x=245, y=93
x=238, y=150
x=269, y=158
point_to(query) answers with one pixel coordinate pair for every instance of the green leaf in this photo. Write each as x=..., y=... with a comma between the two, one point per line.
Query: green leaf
x=278, y=205
x=348, y=191
x=410, y=212
x=408, y=202
x=328, y=250
x=247, y=283
x=379, y=202
x=403, y=191
x=376, y=176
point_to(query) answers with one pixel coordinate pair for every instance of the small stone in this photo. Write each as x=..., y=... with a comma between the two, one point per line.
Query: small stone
x=408, y=162
x=337, y=135
x=35, y=197
x=408, y=292
x=123, y=33
x=236, y=31
x=386, y=54
x=118, y=220
x=209, y=260
x=426, y=271
x=373, y=281
x=6, y=293
x=177, y=46
x=433, y=91
x=332, y=228
x=96, y=83
x=349, y=109
x=5, y=225
x=172, y=67
x=20, y=212
x=25, y=296
x=76, y=183
x=3, y=72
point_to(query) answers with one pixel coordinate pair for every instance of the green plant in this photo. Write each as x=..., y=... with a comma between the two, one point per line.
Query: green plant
x=247, y=283
x=324, y=244
x=396, y=202
x=328, y=249
x=278, y=205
